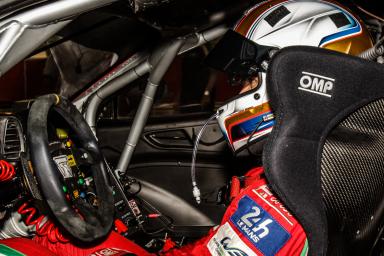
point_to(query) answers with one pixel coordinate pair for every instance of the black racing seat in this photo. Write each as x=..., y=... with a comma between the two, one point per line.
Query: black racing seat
x=352, y=175
x=325, y=155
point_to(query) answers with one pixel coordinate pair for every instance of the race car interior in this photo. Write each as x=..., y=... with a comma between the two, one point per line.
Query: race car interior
x=121, y=135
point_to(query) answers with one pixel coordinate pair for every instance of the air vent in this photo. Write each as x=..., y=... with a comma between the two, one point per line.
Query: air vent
x=11, y=138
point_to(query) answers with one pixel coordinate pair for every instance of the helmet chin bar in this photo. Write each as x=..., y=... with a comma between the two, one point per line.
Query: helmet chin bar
x=246, y=118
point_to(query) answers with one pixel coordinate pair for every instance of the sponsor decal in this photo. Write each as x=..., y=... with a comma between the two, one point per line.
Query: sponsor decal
x=63, y=166
x=253, y=126
x=276, y=15
x=233, y=251
x=317, y=84
x=110, y=252
x=259, y=227
x=267, y=196
x=71, y=160
x=134, y=208
x=227, y=243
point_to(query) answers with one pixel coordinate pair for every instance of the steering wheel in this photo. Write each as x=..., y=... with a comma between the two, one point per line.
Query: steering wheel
x=90, y=223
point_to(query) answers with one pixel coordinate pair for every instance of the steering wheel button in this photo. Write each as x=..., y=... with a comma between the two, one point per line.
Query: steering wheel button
x=76, y=193
x=81, y=181
x=121, y=207
x=71, y=160
x=61, y=134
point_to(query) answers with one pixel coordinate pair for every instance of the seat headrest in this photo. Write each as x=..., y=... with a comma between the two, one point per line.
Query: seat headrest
x=311, y=90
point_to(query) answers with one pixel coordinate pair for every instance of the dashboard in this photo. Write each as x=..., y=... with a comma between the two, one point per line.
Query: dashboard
x=12, y=148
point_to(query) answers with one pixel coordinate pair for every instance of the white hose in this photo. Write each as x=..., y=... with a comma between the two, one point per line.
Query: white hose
x=195, y=188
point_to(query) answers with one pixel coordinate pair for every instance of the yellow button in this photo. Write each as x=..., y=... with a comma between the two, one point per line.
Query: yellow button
x=71, y=160
x=61, y=134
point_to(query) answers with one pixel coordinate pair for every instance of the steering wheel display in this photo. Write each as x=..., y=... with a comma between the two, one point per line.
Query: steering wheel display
x=84, y=221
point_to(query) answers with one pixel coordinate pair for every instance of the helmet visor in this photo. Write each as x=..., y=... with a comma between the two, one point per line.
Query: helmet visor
x=236, y=55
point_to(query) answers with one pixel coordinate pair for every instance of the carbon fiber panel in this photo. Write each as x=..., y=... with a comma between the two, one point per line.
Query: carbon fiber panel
x=352, y=170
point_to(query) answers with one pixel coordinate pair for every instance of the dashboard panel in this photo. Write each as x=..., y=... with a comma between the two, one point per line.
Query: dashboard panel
x=12, y=147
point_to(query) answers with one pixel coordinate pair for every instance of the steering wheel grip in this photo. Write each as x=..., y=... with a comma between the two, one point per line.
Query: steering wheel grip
x=93, y=223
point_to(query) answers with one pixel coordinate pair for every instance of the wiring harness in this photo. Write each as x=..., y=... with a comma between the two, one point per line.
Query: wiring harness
x=44, y=226
x=7, y=171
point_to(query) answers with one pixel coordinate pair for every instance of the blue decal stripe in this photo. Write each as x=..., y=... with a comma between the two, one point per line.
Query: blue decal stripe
x=259, y=227
x=245, y=128
x=340, y=35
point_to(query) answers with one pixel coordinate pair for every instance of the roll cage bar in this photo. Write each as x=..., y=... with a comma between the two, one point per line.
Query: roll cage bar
x=23, y=31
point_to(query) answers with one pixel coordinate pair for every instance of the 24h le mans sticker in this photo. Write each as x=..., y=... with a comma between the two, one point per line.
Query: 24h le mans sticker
x=259, y=227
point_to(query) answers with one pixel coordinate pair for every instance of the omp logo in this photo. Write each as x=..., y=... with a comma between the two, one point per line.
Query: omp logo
x=318, y=84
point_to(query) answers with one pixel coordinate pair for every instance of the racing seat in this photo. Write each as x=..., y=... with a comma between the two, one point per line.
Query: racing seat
x=325, y=155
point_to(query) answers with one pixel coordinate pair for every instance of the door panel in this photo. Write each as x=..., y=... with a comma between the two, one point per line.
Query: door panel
x=162, y=163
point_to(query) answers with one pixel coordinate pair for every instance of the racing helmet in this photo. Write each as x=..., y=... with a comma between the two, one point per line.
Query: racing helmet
x=264, y=29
